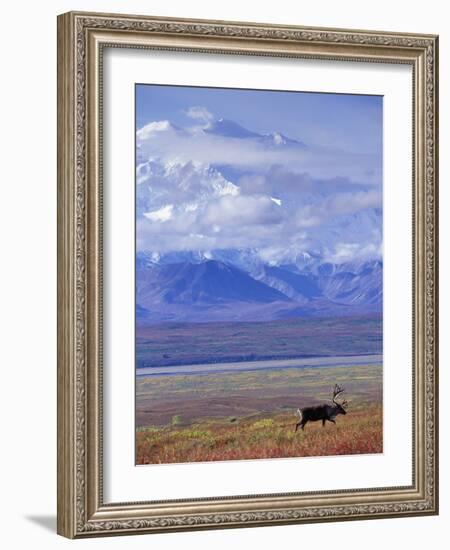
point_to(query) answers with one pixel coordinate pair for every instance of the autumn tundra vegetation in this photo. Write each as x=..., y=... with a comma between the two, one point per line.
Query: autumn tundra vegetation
x=250, y=415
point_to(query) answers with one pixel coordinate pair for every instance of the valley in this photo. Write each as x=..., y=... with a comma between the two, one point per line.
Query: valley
x=166, y=344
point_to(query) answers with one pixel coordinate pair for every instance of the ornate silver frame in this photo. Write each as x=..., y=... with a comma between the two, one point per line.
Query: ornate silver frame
x=81, y=38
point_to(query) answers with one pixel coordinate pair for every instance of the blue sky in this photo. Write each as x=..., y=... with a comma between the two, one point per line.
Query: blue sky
x=280, y=173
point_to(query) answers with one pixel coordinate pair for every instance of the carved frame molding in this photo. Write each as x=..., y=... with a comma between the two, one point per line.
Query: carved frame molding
x=81, y=39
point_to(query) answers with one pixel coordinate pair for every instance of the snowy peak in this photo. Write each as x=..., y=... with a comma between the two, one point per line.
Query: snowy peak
x=228, y=128
x=156, y=127
x=278, y=139
x=191, y=184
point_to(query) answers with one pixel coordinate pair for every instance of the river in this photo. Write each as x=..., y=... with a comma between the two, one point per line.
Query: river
x=262, y=365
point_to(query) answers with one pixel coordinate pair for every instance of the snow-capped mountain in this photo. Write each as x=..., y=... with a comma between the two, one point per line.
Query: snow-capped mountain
x=183, y=185
x=300, y=287
x=228, y=128
x=236, y=224
x=352, y=283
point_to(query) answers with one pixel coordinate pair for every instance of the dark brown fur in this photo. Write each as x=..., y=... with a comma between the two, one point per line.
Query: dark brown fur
x=322, y=412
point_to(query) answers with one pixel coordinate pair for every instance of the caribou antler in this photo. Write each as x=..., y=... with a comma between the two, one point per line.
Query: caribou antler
x=337, y=391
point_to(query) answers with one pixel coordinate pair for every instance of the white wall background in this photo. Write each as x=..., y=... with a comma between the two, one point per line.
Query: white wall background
x=28, y=270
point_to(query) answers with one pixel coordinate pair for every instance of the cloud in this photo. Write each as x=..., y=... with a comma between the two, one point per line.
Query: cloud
x=338, y=204
x=200, y=113
x=149, y=130
x=345, y=203
x=163, y=214
x=200, y=191
x=193, y=207
x=347, y=252
x=243, y=210
x=161, y=140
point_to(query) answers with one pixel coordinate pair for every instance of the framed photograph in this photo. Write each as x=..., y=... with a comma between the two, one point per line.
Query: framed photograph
x=247, y=274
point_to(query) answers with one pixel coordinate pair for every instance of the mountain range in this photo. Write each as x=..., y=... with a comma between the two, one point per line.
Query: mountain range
x=202, y=290
x=236, y=225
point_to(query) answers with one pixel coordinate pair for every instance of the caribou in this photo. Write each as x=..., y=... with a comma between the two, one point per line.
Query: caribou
x=322, y=412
